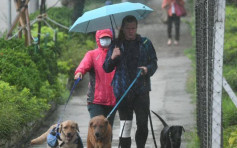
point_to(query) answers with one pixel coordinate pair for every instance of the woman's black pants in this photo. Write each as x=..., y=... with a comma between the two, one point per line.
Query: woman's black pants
x=176, y=20
x=140, y=104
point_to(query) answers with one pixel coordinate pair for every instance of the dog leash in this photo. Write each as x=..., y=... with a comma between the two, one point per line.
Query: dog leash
x=54, y=134
x=74, y=85
x=152, y=131
x=138, y=74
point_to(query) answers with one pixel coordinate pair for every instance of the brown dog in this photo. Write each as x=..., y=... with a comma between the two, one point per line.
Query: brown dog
x=99, y=133
x=68, y=135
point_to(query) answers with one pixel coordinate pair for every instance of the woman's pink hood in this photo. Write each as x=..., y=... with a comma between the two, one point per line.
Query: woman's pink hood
x=103, y=33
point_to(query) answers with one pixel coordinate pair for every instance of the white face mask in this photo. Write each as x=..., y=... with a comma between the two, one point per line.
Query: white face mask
x=105, y=42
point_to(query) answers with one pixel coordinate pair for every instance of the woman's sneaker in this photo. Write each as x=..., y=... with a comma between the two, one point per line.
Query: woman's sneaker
x=176, y=42
x=169, y=42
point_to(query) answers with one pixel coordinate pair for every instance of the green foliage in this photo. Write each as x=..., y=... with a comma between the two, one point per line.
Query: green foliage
x=64, y=93
x=230, y=138
x=229, y=112
x=193, y=139
x=31, y=77
x=73, y=51
x=61, y=15
x=23, y=67
x=231, y=2
x=48, y=34
x=18, y=69
x=230, y=73
x=230, y=48
x=17, y=108
x=233, y=139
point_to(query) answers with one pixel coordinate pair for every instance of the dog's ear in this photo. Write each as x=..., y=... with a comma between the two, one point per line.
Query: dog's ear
x=91, y=123
x=106, y=121
x=183, y=128
x=77, y=127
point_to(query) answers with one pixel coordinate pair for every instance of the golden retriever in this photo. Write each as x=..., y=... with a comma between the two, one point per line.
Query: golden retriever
x=99, y=133
x=68, y=134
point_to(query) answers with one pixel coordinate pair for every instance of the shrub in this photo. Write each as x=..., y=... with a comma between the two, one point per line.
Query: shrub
x=230, y=138
x=17, y=108
x=24, y=67
x=18, y=69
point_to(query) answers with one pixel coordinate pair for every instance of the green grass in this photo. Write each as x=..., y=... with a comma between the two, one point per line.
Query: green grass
x=192, y=137
x=193, y=140
x=229, y=112
x=227, y=134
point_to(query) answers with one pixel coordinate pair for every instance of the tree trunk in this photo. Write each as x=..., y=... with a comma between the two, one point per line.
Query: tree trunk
x=78, y=7
x=34, y=6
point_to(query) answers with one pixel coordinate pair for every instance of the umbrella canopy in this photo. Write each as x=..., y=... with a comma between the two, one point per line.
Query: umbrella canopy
x=109, y=16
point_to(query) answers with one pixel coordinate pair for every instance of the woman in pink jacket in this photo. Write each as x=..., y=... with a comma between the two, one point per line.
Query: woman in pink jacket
x=169, y=5
x=101, y=99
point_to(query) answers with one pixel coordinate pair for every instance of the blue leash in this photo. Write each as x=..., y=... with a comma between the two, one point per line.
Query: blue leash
x=54, y=134
x=74, y=85
x=138, y=74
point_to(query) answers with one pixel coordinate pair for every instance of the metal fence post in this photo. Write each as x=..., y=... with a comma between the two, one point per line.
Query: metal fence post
x=219, y=26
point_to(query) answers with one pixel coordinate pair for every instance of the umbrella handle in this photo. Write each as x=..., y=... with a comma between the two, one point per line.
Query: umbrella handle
x=112, y=27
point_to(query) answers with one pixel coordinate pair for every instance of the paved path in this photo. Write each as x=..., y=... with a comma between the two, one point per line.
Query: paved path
x=168, y=96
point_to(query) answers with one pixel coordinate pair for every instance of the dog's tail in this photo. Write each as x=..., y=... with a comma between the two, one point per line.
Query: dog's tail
x=163, y=122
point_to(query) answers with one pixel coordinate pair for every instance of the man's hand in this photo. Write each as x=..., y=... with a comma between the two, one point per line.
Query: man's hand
x=78, y=75
x=115, y=53
x=144, y=70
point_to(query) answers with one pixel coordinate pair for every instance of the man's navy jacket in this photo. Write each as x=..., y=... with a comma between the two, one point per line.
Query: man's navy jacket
x=121, y=80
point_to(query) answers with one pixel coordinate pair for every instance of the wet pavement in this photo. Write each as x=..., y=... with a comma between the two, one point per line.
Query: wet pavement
x=168, y=96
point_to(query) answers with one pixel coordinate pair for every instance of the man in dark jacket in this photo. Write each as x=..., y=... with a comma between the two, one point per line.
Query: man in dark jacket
x=128, y=54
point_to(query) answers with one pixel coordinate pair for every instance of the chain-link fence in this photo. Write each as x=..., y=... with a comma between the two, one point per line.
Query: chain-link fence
x=210, y=30
x=204, y=69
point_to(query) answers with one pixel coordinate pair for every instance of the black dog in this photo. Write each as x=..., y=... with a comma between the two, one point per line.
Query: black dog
x=170, y=136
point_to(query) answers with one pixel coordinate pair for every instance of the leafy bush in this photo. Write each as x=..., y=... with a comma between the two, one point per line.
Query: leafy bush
x=17, y=108
x=31, y=77
x=23, y=67
x=230, y=138
x=233, y=139
x=47, y=36
x=18, y=69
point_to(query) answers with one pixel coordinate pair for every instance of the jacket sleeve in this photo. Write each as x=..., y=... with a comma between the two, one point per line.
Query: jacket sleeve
x=165, y=4
x=152, y=65
x=86, y=64
x=109, y=64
